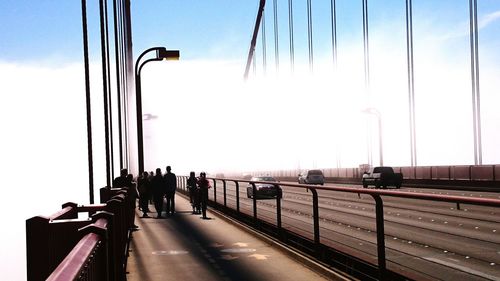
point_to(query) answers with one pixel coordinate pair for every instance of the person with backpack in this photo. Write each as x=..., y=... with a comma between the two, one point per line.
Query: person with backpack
x=204, y=185
x=193, y=193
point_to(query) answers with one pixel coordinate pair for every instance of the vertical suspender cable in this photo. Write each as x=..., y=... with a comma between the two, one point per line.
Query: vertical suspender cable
x=411, y=81
x=333, y=16
x=290, y=33
x=476, y=112
x=310, y=35
x=258, y=21
x=109, y=91
x=87, y=101
x=127, y=57
x=276, y=36
x=126, y=93
x=118, y=82
x=366, y=45
x=264, y=44
x=367, y=69
x=104, y=88
x=478, y=96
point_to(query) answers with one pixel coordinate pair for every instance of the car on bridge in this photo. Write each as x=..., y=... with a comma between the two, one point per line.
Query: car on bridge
x=382, y=177
x=264, y=190
x=312, y=177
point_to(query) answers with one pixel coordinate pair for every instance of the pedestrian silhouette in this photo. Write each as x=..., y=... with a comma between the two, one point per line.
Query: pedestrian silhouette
x=143, y=188
x=158, y=188
x=122, y=180
x=193, y=193
x=204, y=185
x=171, y=187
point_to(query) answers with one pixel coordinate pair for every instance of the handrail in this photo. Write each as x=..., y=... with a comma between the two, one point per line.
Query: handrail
x=83, y=258
x=67, y=212
x=49, y=240
x=71, y=267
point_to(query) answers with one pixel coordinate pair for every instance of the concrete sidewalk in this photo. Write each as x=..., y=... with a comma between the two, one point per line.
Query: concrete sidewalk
x=185, y=247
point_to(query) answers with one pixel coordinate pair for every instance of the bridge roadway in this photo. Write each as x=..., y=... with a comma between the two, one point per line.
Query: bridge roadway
x=186, y=247
x=431, y=240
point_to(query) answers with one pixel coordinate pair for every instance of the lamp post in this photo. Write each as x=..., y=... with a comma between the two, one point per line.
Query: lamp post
x=375, y=112
x=161, y=54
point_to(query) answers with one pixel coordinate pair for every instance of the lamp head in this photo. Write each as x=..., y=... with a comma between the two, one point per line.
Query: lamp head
x=163, y=53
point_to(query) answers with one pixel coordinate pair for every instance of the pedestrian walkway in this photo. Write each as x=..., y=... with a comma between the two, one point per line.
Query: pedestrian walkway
x=185, y=247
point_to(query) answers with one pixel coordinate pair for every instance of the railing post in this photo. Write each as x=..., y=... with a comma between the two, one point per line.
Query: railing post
x=104, y=194
x=278, y=209
x=237, y=196
x=315, y=215
x=215, y=190
x=379, y=212
x=224, y=188
x=110, y=242
x=254, y=197
x=37, y=248
x=120, y=229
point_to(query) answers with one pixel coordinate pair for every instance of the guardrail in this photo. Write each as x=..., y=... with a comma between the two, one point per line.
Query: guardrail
x=457, y=175
x=314, y=246
x=66, y=247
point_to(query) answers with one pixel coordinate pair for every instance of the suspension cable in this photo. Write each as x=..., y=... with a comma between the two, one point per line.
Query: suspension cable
x=310, y=35
x=259, y=19
x=276, y=36
x=290, y=33
x=366, y=46
x=333, y=16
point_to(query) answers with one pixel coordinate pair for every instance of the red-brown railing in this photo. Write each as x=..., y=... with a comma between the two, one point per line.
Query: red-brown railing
x=66, y=247
x=88, y=259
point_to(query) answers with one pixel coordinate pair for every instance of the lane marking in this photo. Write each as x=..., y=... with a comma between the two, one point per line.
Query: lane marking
x=170, y=253
x=462, y=268
x=238, y=250
x=259, y=256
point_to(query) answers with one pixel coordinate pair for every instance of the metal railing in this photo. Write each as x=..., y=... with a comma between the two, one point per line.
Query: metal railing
x=64, y=247
x=89, y=258
x=316, y=248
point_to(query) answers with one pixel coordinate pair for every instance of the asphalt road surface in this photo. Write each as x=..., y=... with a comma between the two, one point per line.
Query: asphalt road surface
x=430, y=239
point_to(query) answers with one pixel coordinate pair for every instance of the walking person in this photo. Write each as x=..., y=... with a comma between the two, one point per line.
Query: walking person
x=121, y=181
x=143, y=188
x=204, y=185
x=132, y=198
x=193, y=196
x=158, y=188
x=171, y=187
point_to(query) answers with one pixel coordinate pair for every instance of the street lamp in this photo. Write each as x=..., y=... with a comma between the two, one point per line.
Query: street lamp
x=374, y=111
x=161, y=54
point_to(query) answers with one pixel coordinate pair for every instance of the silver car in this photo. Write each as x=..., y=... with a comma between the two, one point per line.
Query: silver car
x=312, y=177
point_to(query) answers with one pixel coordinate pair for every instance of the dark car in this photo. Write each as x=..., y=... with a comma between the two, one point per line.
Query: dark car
x=264, y=190
x=382, y=177
x=312, y=177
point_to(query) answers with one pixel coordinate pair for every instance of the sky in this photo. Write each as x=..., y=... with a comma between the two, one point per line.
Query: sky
x=209, y=119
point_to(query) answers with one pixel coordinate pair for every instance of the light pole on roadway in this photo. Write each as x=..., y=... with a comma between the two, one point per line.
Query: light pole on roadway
x=161, y=54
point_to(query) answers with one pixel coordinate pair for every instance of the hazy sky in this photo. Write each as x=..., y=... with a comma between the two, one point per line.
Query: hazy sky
x=220, y=123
